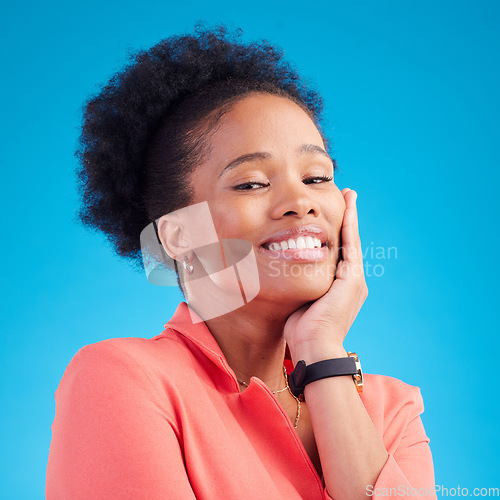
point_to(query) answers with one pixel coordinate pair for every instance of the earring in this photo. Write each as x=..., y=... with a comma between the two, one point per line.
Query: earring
x=189, y=268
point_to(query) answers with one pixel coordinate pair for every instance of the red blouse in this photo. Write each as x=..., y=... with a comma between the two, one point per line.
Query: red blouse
x=164, y=418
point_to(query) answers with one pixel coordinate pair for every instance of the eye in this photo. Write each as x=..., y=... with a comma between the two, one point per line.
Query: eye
x=250, y=186
x=317, y=179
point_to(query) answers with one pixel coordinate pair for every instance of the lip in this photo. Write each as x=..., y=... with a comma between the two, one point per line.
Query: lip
x=294, y=232
x=296, y=254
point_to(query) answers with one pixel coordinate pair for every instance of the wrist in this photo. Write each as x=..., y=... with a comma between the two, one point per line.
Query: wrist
x=314, y=352
x=305, y=374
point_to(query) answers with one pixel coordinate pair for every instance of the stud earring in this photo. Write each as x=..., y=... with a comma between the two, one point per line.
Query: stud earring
x=189, y=268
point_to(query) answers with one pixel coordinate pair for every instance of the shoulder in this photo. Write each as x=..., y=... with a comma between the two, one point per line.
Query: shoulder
x=165, y=350
x=389, y=391
x=128, y=365
x=390, y=401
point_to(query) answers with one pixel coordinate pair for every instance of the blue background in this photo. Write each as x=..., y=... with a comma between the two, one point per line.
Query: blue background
x=411, y=90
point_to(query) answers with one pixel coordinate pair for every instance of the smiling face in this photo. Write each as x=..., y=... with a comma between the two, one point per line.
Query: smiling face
x=268, y=180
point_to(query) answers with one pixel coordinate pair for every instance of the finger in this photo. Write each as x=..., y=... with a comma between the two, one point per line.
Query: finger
x=351, y=242
x=354, y=206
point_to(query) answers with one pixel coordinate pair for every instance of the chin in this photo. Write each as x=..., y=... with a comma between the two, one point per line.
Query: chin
x=294, y=291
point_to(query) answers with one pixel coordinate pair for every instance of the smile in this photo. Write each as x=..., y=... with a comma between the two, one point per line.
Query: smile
x=315, y=254
x=306, y=243
x=301, y=243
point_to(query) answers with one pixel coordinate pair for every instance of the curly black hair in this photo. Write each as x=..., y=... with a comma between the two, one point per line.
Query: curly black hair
x=149, y=126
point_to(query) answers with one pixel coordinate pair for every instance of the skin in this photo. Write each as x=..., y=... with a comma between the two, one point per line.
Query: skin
x=311, y=314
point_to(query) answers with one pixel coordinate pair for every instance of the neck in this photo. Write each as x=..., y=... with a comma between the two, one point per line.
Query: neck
x=251, y=339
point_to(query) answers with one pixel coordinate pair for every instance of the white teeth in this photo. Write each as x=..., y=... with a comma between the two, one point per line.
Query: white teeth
x=300, y=243
x=309, y=242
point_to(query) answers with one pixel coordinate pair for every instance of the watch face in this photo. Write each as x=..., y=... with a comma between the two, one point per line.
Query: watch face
x=358, y=378
x=358, y=364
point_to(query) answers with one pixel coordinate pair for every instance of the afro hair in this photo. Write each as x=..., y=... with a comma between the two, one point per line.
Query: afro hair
x=147, y=127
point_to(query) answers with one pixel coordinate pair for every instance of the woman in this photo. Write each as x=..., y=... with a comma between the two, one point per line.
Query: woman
x=217, y=146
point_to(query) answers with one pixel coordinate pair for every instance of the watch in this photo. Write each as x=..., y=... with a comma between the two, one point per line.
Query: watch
x=303, y=374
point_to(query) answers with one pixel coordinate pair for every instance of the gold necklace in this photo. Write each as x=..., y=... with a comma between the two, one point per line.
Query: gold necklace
x=297, y=416
x=298, y=407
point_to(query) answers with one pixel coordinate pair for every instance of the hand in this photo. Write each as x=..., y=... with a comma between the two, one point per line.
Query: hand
x=319, y=328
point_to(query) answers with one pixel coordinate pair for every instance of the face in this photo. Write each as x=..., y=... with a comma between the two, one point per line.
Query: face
x=268, y=180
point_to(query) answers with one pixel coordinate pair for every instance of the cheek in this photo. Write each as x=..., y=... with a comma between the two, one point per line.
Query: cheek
x=334, y=208
x=229, y=221
x=237, y=218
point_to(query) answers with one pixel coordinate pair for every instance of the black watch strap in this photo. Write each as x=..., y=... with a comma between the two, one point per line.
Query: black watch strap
x=303, y=375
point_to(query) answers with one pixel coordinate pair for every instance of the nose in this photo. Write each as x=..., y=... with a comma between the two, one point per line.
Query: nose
x=294, y=199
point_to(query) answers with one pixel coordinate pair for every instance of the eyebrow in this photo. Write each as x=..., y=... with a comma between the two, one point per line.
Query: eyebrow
x=260, y=156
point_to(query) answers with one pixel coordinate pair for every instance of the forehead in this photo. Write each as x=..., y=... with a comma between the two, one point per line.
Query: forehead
x=261, y=123
x=265, y=121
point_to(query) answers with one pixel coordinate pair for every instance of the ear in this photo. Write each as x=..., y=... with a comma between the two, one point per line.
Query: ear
x=173, y=236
